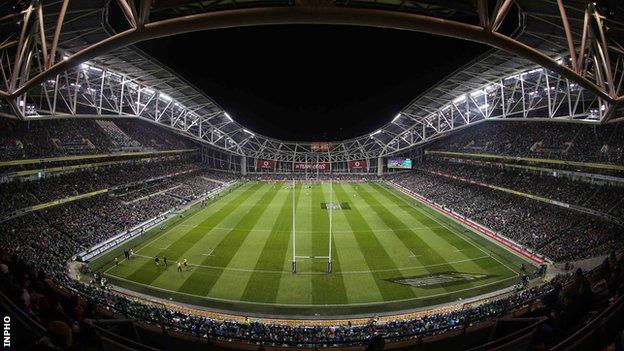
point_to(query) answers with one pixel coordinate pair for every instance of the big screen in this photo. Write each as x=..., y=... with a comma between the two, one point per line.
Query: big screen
x=400, y=162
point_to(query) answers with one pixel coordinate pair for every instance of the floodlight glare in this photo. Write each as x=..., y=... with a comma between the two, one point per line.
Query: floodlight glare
x=459, y=99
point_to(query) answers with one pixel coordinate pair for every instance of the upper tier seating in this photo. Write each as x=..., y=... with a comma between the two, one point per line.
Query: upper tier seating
x=564, y=141
x=50, y=138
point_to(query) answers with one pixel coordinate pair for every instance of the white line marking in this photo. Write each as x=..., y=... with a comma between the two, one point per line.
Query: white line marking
x=306, y=231
x=288, y=272
x=208, y=254
x=308, y=305
x=163, y=234
x=453, y=231
x=413, y=255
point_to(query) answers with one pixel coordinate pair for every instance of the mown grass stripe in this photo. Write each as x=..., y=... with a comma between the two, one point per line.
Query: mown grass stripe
x=453, y=239
x=233, y=281
x=201, y=282
x=327, y=288
x=409, y=238
x=375, y=254
x=262, y=287
x=447, y=243
x=148, y=272
x=506, y=263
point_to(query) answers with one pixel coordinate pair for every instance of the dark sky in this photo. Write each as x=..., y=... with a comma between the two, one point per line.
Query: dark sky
x=312, y=82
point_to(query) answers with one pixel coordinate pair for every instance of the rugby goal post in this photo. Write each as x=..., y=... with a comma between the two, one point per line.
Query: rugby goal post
x=294, y=232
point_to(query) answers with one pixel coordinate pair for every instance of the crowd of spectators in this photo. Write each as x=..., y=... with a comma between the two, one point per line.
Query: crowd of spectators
x=150, y=136
x=50, y=138
x=559, y=234
x=186, y=187
x=17, y=195
x=117, y=137
x=566, y=141
x=193, y=186
x=597, y=196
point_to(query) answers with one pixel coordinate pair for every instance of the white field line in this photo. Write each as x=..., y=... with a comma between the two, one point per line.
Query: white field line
x=413, y=254
x=457, y=234
x=208, y=254
x=308, y=231
x=288, y=272
x=310, y=305
x=161, y=235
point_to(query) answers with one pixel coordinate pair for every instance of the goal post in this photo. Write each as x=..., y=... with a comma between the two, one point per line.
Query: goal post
x=294, y=235
x=330, y=207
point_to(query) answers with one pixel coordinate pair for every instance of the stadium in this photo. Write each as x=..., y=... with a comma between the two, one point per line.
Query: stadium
x=138, y=213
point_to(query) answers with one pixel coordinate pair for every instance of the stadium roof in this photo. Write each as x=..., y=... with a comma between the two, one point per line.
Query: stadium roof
x=119, y=80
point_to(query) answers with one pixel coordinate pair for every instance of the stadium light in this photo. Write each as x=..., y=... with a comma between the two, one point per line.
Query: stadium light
x=537, y=70
x=492, y=87
x=459, y=99
x=228, y=116
x=165, y=97
x=396, y=117
x=248, y=132
x=477, y=93
x=375, y=132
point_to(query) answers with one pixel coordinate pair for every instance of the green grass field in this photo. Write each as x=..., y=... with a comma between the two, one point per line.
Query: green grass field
x=389, y=253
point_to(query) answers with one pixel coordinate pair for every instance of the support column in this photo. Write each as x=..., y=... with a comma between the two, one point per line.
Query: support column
x=380, y=166
x=243, y=165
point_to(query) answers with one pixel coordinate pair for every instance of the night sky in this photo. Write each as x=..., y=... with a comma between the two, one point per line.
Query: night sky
x=312, y=82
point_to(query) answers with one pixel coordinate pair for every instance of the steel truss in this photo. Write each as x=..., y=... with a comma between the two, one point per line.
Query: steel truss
x=64, y=60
